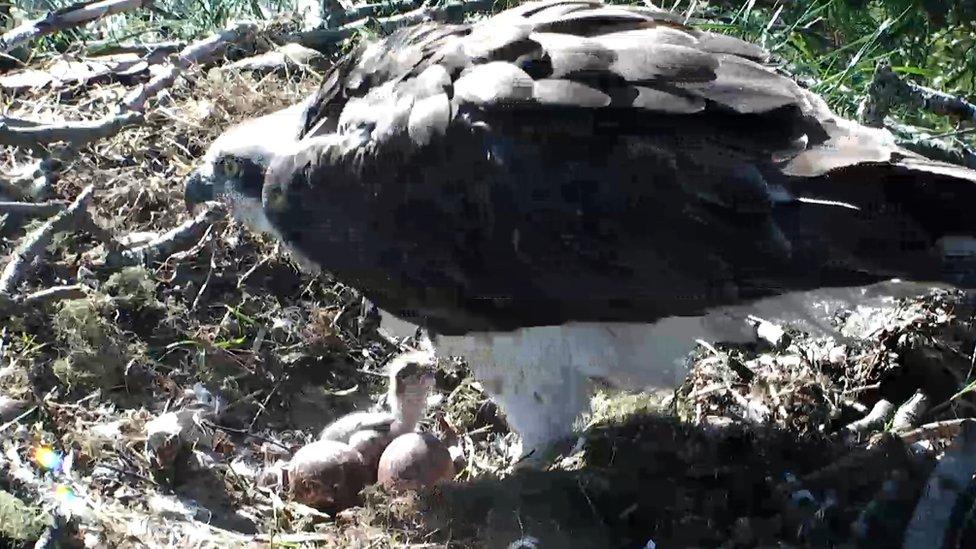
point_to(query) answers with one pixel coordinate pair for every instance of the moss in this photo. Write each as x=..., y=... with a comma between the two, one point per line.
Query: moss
x=132, y=288
x=19, y=521
x=93, y=350
x=612, y=408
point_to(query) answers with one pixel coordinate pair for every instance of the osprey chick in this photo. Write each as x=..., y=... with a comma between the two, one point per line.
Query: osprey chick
x=411, y=375
x=569, y=193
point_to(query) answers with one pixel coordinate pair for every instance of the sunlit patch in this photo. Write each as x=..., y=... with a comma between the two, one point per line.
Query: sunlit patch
x=47, y=458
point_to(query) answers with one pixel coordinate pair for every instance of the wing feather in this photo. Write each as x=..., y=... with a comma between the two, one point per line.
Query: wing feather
x=588, y=22
x=493, y=83
x=567, y=92
x=434, y=80
x=570, y=55
x=657, y=34
x=429, y=119
x=495, y=42
x=643, y=62
x=745, y=86
x=723, y=43
x=651, y=99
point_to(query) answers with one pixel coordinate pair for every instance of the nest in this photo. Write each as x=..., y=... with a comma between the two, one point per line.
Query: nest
x=115, y=325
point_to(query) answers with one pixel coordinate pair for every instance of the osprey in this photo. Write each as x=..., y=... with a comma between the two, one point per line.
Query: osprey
x=569, y=193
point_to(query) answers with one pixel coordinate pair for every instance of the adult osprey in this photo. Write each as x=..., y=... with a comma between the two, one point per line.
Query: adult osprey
x=569, y=192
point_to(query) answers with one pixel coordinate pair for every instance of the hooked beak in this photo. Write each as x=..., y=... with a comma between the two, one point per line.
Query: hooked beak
x=199, y=189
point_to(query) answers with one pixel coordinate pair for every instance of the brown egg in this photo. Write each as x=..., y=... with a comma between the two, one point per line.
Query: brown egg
x=327, y=475
x=415, y=460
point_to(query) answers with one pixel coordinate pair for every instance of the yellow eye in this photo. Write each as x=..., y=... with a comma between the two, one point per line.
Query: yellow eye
x=232, y=168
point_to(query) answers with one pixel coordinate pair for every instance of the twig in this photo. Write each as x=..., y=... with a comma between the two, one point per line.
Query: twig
x=245, y=432
x=21, y=133
x=262, y=406
x=35, y=242
x=882, y=411
x=32, y=208
x=54, y=293
x=110, y=47
x=934, y=147
x=281, y=58
x=861, y=389
x=72, y=16
x=247, y=274
x=589, y=501
x=132, y=474
x=938, y=429
x=198, y=52
x=370, y=10
x=733, y=363
x=136, y=99
x=450, y=12
x=17, y=419
x=933, y=517
x=911, y=411
x=711, y=348
x=855, y=405
x=887, y=89
x=206, y=281
x=183, y=235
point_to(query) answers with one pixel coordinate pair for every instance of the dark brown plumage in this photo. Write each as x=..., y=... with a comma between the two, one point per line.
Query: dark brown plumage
x=578, y=191
x=571, y=161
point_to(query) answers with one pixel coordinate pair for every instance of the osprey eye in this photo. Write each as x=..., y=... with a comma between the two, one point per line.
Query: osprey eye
x=232, y=168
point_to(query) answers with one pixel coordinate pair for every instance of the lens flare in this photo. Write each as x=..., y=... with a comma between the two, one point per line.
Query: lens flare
x=64, y=493
x=47, y=458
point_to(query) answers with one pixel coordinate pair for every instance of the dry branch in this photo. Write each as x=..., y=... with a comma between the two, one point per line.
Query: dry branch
x=282, y=58
x=370, y=10
x=136, y=99
x=180, y=237
x=54, y=293
x=21, y=133
x=887, y=90
x=110, y=47
x=71, y=16
x=35, y=242
x=910, y=412
x=32, y=208
x=198, y=52
x=448, y=13
x=876, y=419
x=947, y=150
x=939, y=429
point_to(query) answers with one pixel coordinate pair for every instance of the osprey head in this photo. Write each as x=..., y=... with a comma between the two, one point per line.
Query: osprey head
x=234, y=168
x=412, y=374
